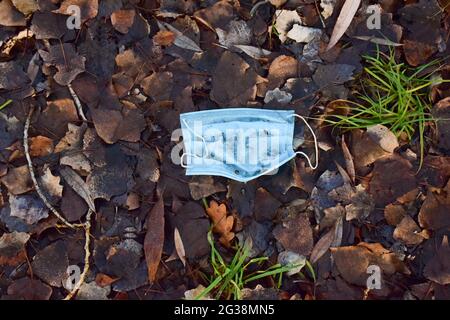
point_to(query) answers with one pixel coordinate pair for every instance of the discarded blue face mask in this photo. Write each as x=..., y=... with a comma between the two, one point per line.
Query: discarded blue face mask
x=239, y=143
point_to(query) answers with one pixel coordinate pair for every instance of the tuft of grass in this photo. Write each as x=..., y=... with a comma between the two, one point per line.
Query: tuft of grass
x=4, y=105
x=394, y=95
x=230, y=278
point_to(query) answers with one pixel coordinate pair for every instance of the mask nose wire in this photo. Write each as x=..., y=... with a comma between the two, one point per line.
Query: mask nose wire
x=316, y=145
x=189, y=154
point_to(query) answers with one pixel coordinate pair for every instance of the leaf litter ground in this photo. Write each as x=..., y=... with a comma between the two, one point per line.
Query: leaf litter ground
x=107, y=99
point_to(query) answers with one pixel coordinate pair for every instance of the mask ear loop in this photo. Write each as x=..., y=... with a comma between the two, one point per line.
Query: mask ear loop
x=189, y=154
x=316, y=145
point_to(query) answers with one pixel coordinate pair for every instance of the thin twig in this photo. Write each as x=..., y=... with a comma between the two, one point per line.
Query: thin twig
x=86, y=225
x=87, y=255
x=33, y=176
x=77, y=102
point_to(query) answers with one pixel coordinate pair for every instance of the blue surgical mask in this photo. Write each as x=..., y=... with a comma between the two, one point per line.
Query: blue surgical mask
x=241, y=144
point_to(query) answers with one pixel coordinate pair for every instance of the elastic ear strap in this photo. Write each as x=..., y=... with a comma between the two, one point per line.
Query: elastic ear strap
x=316, y=145
x=196, y=135
x=185, y=155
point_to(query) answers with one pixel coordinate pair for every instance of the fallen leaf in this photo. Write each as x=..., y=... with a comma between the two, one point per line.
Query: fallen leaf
x=204, y=186
x=192, y=294
x=104, y=280
x=285, y=19
x=383, y=137
x=51, y=263
x=26, y=6
x=222, y=224
x=234, y=82
x=303, y=34
x=164, y=38
x=346, y=16
x=88, y=8
x=254, y=52
x=179, y=246
x=51, y=183
x=181, y=40
x=295, y=234
x=266, y=205
x=9, y=16
x=353, y=261
x=29, y=289
x=438, y=268
x=122, y=20
x=237, y=33
x=435, y=211
x=408, y=232
x=18, y=180
x=28, y=208
x=322, y=246
x=12, y=248
x=349, y=164
x=392, y=177
x=394, y=214
x=154, y=238
x=78, y=185
x=66, y=60
x=92, y=291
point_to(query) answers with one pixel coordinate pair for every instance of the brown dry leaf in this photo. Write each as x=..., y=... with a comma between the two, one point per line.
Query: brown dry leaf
x=78, y=185
x=383, y=137
x=12, y=248
x=18, y=180
x=222, y=223
x=295, y=234
x=180, y=40
x=204, y=186
x=435, y=211
x=154, y=239
x=348, y=11
x=122, y=20
x=104, y=280
x=234, y=81
x=65, y=58
x=179, y=246
x=322, y=246
x=353, y=261
x=40, y=146
x=392, y=177
x=29, y=289
x=349, y=164
x=164, y=38
x=408, y=232
x=26, y=6
x=438, y=268
x=394, y=214
x=89, y=8
x=51, y=183
x=9, y=16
